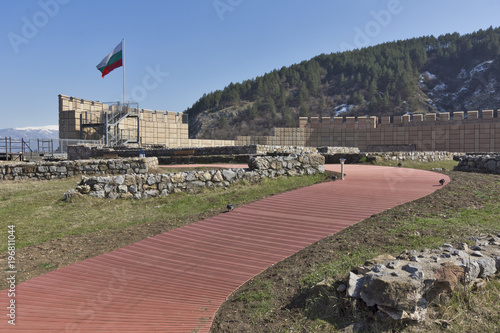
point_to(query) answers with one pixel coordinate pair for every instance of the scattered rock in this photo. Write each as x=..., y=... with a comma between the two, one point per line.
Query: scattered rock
x=401, y=288
x=73, y=193
x=411, y=268
x=487, y=267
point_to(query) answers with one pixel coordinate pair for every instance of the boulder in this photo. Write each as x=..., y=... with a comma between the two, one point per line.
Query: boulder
x=402, y=287
x=392, y=292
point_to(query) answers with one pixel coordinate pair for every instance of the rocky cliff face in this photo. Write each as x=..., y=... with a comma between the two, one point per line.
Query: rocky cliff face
x=473, y=89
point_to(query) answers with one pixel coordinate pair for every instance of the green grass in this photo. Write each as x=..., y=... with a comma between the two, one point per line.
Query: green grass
x=472, y=311
x=46, y=265
x=337, y=269
x=39, y=212
x=260, y=299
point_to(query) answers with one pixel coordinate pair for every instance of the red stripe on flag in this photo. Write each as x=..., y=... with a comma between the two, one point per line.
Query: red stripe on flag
x=109, y=68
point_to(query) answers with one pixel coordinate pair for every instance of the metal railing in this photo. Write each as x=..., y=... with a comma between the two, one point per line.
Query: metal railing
x=21, y=150
x=14, y=149
x=107, y=123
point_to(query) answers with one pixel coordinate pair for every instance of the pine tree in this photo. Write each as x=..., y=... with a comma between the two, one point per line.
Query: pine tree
x=303, y=111
x=272, y=107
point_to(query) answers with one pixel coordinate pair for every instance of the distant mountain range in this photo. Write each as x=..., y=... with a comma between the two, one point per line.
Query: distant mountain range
x=33, y=133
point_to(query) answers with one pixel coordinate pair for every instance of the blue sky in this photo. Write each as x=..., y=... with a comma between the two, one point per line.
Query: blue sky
x=175, y=51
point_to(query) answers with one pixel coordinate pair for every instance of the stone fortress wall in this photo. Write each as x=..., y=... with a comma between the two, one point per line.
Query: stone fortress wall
x=465, y=132
x=155, y=127
x=472, y=131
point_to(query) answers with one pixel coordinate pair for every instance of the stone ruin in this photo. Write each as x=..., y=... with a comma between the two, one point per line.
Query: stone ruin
x=402, y=287
x=479, y=163
x=143, y=186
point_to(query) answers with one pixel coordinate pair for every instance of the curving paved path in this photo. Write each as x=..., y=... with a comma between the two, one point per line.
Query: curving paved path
x=176, y=281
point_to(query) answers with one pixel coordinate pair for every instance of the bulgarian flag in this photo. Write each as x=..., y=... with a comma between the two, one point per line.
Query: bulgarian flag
x=111, y=61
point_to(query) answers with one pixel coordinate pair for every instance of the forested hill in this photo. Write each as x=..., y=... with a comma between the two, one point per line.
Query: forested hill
x=427, y=74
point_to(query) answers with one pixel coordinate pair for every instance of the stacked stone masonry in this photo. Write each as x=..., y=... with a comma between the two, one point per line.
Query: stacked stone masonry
x=86, y=151
x=90, y=162
x=479, y=163
x=64, y=169
x=420, y=156
x=332, y=154
x=144, y=186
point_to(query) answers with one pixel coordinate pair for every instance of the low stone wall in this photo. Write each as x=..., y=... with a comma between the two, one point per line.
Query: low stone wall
x=479, y=163
x=153, y=185
x=338, y=150
x=63, y=169
x=420, y=156
x=87, y=151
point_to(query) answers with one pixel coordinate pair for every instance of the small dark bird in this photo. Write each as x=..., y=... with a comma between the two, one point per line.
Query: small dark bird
x=399, y=164
x=230, y=207
x=441, y=182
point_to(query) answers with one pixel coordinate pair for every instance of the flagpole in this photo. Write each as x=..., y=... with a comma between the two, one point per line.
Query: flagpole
x=123, y=64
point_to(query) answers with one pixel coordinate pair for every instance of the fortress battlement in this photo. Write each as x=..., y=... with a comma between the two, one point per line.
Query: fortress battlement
x=365, y=122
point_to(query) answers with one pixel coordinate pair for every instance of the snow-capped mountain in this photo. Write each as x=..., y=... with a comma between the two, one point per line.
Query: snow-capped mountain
x=42, y=132
x=473, y=89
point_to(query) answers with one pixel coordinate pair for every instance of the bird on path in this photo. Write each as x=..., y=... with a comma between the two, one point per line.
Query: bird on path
x=441, y=182
x=230, y=207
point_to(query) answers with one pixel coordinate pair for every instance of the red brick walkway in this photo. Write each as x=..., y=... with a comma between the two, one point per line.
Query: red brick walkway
x=174, y=282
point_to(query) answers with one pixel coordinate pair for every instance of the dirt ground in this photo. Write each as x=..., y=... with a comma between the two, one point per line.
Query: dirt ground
x=283, y=277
